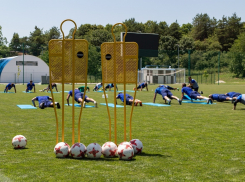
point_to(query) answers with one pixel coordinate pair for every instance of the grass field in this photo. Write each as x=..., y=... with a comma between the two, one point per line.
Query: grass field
x=188, y=142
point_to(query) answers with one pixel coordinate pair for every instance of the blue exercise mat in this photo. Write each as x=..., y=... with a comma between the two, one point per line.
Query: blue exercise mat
x=100, y=91
x=111, y=105
x=27, y=92
x=205, y=103
x=154, y=104
x=78, y=105
x=8, y=92
x=186, y=97
x=26, y=107
x=53, y=92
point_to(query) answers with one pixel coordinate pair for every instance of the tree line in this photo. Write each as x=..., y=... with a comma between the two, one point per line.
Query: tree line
x=205, y=37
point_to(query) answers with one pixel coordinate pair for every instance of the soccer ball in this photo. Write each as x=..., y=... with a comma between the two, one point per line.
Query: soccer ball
x=94, y=151
x=109, y=149
x=125, y=151
x=62, y=149
x=137, y=145
x=78, y=150
x=19, y=142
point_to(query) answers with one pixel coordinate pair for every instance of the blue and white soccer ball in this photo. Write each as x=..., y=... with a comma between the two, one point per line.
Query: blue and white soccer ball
x=94, y=151
x=19, y=142
x=109, y=149
x=62, y=149
x=78, y=150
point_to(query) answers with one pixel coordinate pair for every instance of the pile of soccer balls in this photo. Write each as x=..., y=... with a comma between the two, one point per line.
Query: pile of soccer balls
x=125, y=151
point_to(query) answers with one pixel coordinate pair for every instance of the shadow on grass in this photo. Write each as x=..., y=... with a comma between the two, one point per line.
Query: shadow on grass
x=153, y=155
x=21, y=148
x=90, y=159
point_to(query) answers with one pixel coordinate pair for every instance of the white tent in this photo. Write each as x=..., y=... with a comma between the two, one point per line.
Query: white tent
x=11, y=69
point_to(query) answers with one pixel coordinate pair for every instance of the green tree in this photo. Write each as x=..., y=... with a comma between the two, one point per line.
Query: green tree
x=3, y=40
x=186, y=28
x=15, y=43
x=237, y=65
x=151, y=27
x=186, y=43
x=175, y=31
x=163, y=28
x=53, y=33
x=97, y=37
x=94, y=60
x=203, y=26
x=228, y=30
x=133, y=26
x=36, y=41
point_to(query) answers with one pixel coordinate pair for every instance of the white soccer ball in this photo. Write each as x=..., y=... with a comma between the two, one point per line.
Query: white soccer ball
x=137, y=145
x=125, y=151
x=62, y=149
x=94, y=151
x=109, y=149
x=78, y=150
x=19, y=142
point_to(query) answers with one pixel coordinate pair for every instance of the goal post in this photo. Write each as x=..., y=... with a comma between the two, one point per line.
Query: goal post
x=161, y=75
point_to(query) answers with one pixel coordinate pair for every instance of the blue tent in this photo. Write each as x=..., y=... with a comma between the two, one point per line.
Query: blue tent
x=4, y=62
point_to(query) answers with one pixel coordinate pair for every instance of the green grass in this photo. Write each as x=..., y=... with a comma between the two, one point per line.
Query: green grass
x=188, y=142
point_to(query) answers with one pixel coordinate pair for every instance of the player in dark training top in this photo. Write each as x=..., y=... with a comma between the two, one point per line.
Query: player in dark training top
x=44, y=101
x=129, y=99
x=166, y=94
x=141, y=86
x=8, y=87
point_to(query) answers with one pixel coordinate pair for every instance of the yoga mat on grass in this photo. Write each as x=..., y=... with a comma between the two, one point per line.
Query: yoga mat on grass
x=205, y=103
x=78, y=105
x=27, y=92
x=53, y=92
x=26, y=107
x=154, y=104
x=186, y=97
x=111, y=105
x=8, y=92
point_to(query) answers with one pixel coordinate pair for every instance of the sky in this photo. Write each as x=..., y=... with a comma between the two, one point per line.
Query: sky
x=22, y=16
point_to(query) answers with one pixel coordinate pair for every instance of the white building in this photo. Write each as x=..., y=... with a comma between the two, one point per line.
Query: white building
x=12, y=69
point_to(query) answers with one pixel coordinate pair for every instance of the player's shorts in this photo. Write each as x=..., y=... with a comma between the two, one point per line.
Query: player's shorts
x=167, y=93
x=80, y=95
x=222, y=98
x=195, y=89
x=129, y=98
x=107, y=86
x=194, y=94
x=47, y=103
x=236, y=94
x=29, y=88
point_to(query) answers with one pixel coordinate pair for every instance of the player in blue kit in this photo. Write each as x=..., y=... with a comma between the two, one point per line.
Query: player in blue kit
x=110, y=85
x=129, y=99
x=97, y=86
x=44, y=101
x=79, y=98
x=48, y=88
x=220, y=97
x=8, y=87
x=141, y=86
x=193, y=94
x=193, y=85
x=29, y=86
x=168, y=87
x=232, y=94
x=240, y=98
x=166, y=95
